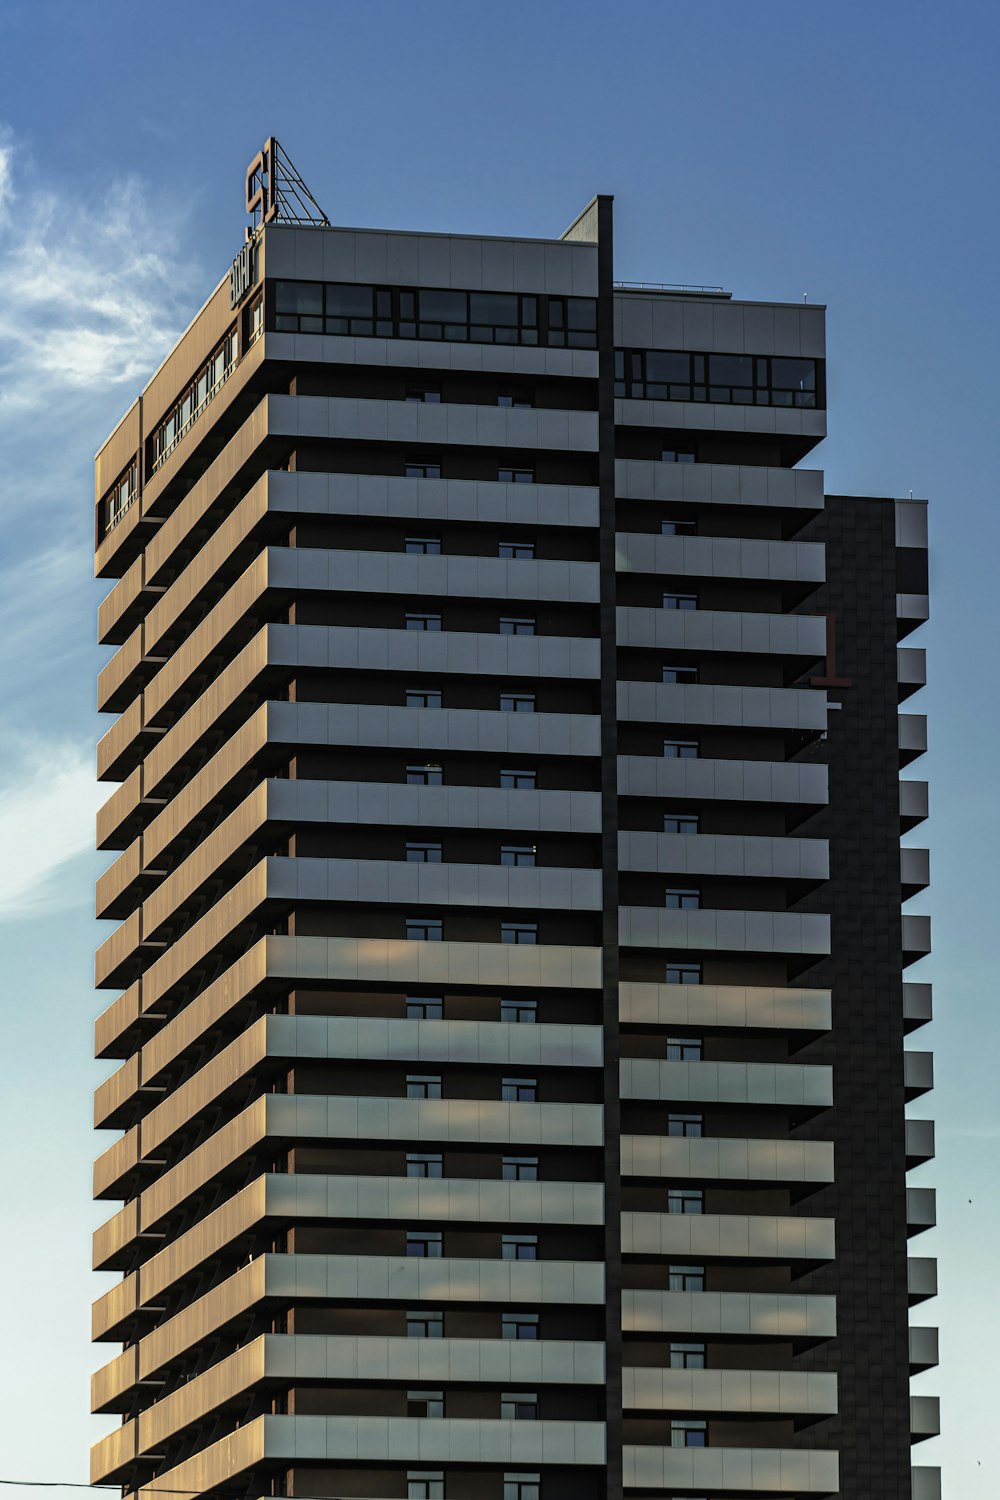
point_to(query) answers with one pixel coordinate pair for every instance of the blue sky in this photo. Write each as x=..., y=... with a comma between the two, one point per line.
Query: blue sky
x=847, y=153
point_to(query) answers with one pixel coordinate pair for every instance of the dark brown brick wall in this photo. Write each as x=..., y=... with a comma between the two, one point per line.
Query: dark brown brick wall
x=866, y=1046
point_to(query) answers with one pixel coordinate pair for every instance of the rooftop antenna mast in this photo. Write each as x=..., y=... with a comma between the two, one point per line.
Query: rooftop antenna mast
x=277, y=193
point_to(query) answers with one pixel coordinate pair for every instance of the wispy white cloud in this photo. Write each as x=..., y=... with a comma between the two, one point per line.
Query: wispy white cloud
x=48, y=801
x=46, y=595
x=95, y=290
x=92, y=291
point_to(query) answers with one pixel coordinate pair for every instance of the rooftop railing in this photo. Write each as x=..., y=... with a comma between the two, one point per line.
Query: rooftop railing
x=688, y=288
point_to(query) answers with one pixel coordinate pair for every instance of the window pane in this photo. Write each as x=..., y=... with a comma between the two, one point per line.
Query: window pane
x=299, y=297
x=666, y=367
x=581, y=312
x=794, y=374
x=347, y=301
x=444, y=307
x=493, y=307
x=730, y=369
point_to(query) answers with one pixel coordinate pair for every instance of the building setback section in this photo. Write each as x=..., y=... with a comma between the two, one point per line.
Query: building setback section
x=508, y=1064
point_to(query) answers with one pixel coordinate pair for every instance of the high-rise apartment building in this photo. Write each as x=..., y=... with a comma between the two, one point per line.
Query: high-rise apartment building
x=510, y=1060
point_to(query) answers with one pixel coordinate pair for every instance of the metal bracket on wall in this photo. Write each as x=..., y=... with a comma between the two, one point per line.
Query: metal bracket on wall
x=830, y=679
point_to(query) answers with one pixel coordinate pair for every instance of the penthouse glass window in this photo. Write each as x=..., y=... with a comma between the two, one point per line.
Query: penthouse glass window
x=728, y=379
x=368, y=311
x=192, y=401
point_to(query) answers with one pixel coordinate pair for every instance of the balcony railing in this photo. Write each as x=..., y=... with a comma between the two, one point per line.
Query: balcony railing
x=162, y=457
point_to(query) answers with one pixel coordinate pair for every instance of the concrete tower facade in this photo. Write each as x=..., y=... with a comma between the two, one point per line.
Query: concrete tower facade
x=509, y=1034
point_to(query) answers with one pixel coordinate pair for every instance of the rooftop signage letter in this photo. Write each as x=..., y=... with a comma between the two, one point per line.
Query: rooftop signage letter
x=242, y=273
